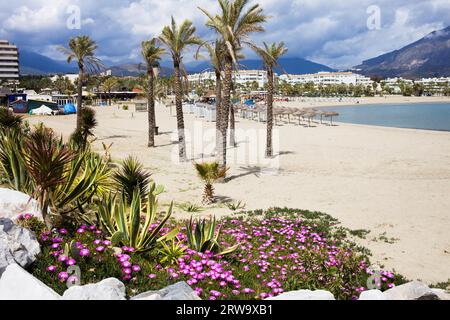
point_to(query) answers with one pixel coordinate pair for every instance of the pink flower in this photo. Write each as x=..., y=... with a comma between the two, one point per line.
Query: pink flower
x=152, y=276
x=62, y=231
x=63, y=258
x=100, y=249
x=71, y=262
x=136, y=268
x=51, y=268
x=63, y=276
x=127, y=271
x=84, y=252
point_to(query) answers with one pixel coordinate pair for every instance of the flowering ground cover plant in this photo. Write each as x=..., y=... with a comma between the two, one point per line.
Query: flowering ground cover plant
x=278, y=251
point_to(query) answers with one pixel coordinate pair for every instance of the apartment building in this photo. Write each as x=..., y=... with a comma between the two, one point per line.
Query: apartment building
x=242, y=77
x=328, y=78
x=9, y=62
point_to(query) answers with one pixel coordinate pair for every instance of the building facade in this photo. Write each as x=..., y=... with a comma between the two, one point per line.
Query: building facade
x=242, y=77
x=9, y=63
x=328, y=78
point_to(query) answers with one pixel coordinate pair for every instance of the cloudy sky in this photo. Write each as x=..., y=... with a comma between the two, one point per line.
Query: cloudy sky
x=337, y=33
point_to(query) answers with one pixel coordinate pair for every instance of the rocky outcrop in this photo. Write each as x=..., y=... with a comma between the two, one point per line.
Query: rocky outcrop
x=411, y=291
x=177, y=291
x=18, y=284
x=304, y=295
x=108, y=289
x=372, y=295
x=17, y=245
x=14, y=203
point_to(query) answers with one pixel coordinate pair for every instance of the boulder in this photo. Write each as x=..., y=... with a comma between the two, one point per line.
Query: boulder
x=18, y=284
x=17, y=245
x=441, y=294
x=177, y=291
x=372, y=295
x=13, y=203
x=108, y=289
x=304, y=295
x=411, y=291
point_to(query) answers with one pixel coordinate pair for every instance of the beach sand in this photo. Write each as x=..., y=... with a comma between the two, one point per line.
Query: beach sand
x=393, y=182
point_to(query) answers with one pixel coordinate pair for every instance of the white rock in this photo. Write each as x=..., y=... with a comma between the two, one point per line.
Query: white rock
x=17, y=245
x=372, y=295
x=441, y=294
x=108, y=289
x=304, y=295
x=17, y=284
x=177, y=291
x=409, y=291
x=14, y=203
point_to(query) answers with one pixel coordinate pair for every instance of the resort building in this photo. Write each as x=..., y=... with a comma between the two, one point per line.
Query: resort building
x=328, y=78
x=72, y=77
x=9, y=63
x=242, y=77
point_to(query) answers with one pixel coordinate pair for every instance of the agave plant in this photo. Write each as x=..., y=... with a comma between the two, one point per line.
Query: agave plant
x=123, y=222
x=130, y=176
x=203, y=235
x=171, y=251
x=209, y=172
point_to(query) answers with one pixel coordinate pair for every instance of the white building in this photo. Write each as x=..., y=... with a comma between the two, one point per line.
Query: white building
x=328, y=78
x=242, y=77
x=9, y=62
x=72, y=77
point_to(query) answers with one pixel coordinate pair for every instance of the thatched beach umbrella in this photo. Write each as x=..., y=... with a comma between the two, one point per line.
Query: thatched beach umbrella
x=300, y=114
x=310, y=115
x=330, y=115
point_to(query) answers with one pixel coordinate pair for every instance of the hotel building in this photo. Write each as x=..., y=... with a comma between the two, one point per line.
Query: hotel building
x=9, y=62
x=242, y=77
x=328, y=78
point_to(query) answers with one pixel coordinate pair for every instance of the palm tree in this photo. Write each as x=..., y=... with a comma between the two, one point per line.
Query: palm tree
x=216, y=54
x=209, y=172
x=270, y=55
x=234, y=26
x=177, y=39
x=108, y=85
x=152, y=55
x=82, y=50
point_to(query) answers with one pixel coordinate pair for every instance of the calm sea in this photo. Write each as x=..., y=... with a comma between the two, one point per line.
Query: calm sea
x=428, y=116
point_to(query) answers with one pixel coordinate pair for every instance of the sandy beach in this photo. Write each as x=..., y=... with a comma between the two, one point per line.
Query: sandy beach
x=393, y=182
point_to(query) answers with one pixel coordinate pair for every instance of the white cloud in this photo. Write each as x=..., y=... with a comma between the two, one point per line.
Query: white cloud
x=331, y=32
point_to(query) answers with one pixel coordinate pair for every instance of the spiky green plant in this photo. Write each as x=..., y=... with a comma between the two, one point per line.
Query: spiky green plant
x=12, y=164
x=47, y=160
x=171, y=251
x=235, y=206
x=209, y=172
x=88, y=123
x=8, y=120
x=132, y=175
x=190, y=207
x=123, y=222
x=203, y=235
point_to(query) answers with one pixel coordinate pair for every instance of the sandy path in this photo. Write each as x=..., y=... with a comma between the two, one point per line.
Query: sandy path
x=393, y=181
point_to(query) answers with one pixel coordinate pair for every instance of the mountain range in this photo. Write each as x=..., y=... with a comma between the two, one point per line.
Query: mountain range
x=428, y=57
x=32, y=63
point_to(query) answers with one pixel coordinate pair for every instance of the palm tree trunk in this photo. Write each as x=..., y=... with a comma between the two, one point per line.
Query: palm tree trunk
x=151, y=109
x=226, y=102
x=232, y=126
x=80, y=98
x=180, y=118
x=269, y=148
x=218, y=108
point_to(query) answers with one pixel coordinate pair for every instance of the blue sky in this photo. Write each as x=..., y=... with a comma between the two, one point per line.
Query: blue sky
x=330, y=32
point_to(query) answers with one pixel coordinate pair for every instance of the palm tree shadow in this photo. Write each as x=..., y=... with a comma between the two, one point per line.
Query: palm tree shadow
x=255, y=170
